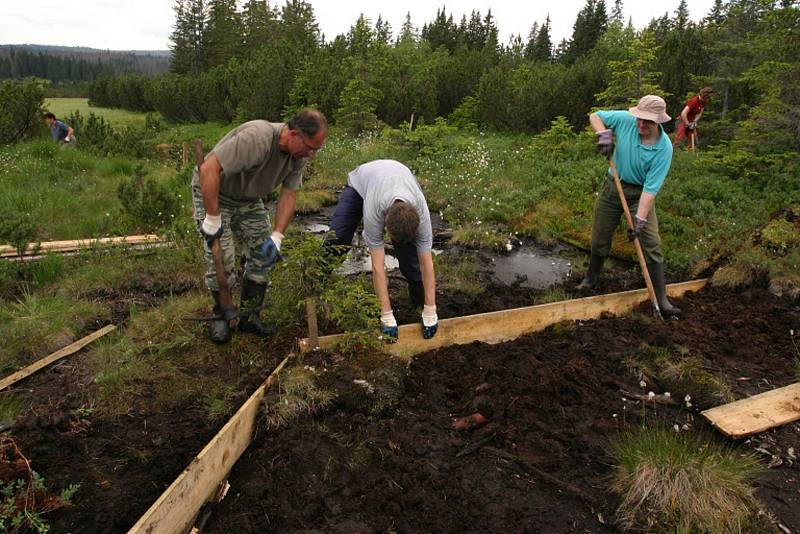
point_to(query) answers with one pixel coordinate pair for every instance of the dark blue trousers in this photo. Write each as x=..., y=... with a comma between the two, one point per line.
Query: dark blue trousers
x=349, y=212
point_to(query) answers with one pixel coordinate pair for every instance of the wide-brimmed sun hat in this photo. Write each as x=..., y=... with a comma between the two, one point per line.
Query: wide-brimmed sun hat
x=651, y=108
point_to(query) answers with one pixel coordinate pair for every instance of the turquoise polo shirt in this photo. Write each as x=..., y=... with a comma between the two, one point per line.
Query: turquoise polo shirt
x=638, y=164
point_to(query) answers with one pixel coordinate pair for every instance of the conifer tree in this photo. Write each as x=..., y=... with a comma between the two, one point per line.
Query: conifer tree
x=223, y=32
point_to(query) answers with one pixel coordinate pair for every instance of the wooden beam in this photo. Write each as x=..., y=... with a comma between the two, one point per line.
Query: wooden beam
x=7, y=251
x=175, y=511
x=757, y=413
x=63, y=353
x=505, y=325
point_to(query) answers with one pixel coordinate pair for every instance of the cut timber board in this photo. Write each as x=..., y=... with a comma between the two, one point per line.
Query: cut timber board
x=47, y=360
x=175, y=511
x=7, y=251
x=757, y=413
x=505, y=325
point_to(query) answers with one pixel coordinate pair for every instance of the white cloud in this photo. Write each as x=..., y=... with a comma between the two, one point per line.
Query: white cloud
x=147, y=24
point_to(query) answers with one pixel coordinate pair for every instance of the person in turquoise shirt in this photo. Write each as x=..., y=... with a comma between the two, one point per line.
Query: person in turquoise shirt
x=642, y=156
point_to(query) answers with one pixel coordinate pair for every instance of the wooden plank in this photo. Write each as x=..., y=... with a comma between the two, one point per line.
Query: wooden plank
x=757, y=413
x=63, y=353
x=7, y=251
x=175, y=511
x=505, y=325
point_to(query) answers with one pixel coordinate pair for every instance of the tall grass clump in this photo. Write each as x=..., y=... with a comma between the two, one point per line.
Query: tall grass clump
x=41, y=323
x=679, y=482
x=160, y=361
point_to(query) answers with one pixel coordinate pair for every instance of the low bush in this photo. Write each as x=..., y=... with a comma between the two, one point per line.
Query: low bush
x=21, y=112
x=150, y=204
x=680, y=482
x=18, y=229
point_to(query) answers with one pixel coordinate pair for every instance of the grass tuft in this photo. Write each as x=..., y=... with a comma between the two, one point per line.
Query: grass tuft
x=299, y=396
x=161, y=360
x=678, y=482
x=458, y=272
x=680, y=374
x=479, y=237
x=553, y=294
x=10, y=408
x=38, y=324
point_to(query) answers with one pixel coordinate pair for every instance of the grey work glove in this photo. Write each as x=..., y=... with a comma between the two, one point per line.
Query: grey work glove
x=691, y=126
x=638, y=226
x=605, y=143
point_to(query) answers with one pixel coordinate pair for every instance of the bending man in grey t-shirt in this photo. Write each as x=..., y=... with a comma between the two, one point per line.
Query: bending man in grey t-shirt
x=386, y=195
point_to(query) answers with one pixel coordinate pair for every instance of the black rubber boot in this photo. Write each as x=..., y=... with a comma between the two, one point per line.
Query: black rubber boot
x=220, y=330
x=660, y=287
x=253, y=297
x=593, y=272
x=416, y=292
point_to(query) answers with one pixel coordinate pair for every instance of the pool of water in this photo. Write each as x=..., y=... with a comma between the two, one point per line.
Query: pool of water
x=533, y=267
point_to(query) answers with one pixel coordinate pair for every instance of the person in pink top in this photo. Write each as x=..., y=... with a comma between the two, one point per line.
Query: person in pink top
x=692, y=111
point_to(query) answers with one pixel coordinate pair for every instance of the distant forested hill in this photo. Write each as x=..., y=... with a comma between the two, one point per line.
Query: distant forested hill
x=77, y=64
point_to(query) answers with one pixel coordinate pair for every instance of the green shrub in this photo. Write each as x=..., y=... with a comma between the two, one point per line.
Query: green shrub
x=24, y=497
x=351, y=306
x=18, y=229
x=466, y=115
x=150, y=204
x=780, y=235
x=21, y=110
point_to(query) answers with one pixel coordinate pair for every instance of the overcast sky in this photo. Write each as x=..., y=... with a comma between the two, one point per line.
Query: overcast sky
x=147, y=24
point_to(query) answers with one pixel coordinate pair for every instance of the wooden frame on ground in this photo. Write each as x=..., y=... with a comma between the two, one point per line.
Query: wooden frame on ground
x=177, y=508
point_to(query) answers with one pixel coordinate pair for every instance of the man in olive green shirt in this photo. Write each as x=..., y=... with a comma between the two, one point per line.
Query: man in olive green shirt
x=245, y=166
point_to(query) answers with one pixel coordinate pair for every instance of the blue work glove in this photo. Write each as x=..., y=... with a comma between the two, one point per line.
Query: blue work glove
x=271, y=249
x=389, y=326
x=639, y=225
x=430, y=321
x=605, y=143
x=211, y=228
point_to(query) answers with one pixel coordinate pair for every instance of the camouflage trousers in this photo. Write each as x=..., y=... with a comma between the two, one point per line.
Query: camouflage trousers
x=246, y=226
x=607, y=214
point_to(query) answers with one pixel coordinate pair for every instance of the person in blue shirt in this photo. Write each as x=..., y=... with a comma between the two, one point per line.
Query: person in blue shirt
x=61, y=133
x=643, y=155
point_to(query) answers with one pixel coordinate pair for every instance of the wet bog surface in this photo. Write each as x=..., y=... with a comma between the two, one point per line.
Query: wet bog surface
x=539, y=462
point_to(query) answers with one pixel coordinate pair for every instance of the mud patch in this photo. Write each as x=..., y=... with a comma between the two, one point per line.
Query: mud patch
x=540, y=463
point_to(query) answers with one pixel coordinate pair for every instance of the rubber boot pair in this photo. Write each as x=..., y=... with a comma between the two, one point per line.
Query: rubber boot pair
x=656, y=271
x=593, y=273
x=252, y=297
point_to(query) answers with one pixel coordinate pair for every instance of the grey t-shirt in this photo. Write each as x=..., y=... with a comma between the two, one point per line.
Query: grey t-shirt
x=380, y=183
x=253, y=165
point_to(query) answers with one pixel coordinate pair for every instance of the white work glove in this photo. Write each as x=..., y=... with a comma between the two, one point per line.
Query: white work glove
x=430, y=321
x=212, y=224
x=277, y=237
x=389, y=325
x=211, y=228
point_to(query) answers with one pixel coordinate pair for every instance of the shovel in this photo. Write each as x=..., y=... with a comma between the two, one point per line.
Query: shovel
x=636, y=243
x=225, y=300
